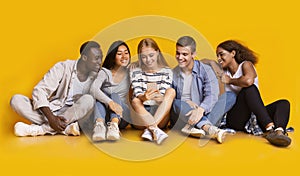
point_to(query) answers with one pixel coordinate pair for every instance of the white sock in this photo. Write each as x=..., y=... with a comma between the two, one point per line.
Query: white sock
x=270, y=127
x=279, y=128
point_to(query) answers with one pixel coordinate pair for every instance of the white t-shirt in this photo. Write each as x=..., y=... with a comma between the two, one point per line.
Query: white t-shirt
x=187, y=85
x=77, y=88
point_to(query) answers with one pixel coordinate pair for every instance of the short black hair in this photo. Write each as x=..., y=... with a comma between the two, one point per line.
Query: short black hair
x=86, y=47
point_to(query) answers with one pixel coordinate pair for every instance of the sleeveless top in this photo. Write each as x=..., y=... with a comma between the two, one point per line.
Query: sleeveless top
x=238, y=73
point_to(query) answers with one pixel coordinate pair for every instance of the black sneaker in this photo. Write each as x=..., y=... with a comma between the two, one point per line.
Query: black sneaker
x=278, y=138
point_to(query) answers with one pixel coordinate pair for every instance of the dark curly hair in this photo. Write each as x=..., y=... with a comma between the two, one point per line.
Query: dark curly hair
x=242, y=53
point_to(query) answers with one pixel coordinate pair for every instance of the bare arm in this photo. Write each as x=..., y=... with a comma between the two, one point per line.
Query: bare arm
x=215, y=66
x=246, y=80
x=218, y=71
x=58, y=123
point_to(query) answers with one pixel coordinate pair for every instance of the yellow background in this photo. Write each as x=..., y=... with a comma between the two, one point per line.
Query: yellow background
x=36, y=34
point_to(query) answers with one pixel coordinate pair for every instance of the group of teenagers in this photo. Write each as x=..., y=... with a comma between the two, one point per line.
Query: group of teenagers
x=150, y=96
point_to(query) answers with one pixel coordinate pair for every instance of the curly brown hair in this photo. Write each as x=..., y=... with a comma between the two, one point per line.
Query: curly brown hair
x=242, y=53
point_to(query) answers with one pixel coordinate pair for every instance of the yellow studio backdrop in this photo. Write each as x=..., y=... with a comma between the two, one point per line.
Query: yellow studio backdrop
x=37, y=34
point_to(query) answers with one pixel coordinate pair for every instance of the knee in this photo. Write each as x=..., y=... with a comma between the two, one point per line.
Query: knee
x=250, y=88
x=15, y=100
x=87, y=100
x=170, y=93
x=135, y=102
x=284, y=103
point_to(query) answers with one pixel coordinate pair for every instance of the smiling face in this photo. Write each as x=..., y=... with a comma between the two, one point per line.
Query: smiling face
x=122, y=56
x=185, y=57
x=94, y=59
x=225, y=58
x=149, y=58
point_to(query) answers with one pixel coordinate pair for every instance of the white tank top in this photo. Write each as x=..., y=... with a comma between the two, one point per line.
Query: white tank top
x=238, y=73
x=77, y=88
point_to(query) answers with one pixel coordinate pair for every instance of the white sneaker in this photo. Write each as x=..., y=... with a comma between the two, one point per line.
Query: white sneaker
x=217, y=133
x=22, y=129
x=113, y=132
x=195, y=132
x=99, y=132
x=72, y=129
x=159, y=135
x=147, y=135
x=221, y=136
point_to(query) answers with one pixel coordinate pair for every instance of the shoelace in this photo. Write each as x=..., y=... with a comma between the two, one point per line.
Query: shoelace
x=33, y=130
x=99, y=127
x=112, y=126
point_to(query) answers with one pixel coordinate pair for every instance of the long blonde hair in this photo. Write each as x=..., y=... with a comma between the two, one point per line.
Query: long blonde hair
x=149, y=42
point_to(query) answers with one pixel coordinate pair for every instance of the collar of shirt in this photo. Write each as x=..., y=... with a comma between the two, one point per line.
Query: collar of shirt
x=195, y=70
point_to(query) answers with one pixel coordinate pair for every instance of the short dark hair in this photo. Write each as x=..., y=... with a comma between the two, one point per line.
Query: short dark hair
x=86, y=47
x=109, y=61
x=187, y=41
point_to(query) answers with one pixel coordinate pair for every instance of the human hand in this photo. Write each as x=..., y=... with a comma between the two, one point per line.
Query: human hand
x=58, y=123
x=115, y=107
x=195, y=115
x=150, y=94
x=225, y=79
x=192, y=104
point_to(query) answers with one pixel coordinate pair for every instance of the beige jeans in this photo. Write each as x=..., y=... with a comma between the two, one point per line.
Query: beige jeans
x=82, y=108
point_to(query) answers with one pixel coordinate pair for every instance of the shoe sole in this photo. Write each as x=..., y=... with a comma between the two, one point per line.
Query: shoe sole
x=161, y=139
x=98, y=139
x=221, y=139
x=196, y=135
x=146, y=138
x=112, y=138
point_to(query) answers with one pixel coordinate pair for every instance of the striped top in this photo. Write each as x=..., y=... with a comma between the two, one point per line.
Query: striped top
x=141, y=80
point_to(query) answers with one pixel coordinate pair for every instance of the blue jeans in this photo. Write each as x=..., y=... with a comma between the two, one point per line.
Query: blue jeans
x=101, y=111
x=223, y=105
x=179, y=109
